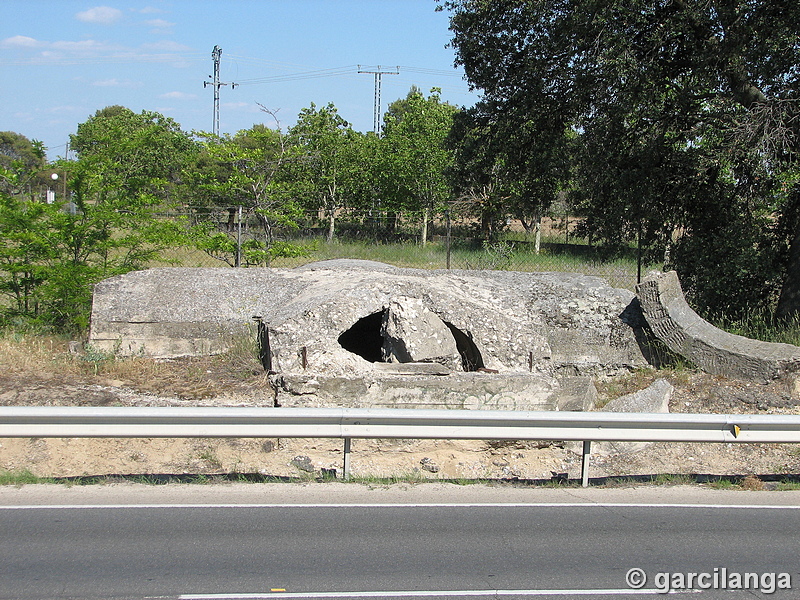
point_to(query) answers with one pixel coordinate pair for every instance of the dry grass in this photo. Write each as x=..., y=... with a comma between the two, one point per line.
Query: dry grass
x=34, y=357
x=22, y=353
x=639, y=379
x=753, y=483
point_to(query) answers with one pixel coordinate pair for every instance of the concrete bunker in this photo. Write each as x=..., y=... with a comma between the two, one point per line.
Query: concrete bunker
x=355, y=333
x=368, y=338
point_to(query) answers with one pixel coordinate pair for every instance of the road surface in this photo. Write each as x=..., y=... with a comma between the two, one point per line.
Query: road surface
x=355, y=544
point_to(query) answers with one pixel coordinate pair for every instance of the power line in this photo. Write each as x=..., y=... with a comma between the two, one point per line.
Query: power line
x=376, y=117
x=216, y=56
x=335, y=72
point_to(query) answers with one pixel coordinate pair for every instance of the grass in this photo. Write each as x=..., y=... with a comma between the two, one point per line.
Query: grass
x=19, y=478
x=31, y=356
x=759, y=325
x=639, y=379
x=502, y=255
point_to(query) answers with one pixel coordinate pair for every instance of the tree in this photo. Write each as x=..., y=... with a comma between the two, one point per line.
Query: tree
x=417, y=157
x=251, y=170
x=505, y=173
x=682, y=110
x=126, y=168
x=24, y=254
x=328, y=163
x=22, y=161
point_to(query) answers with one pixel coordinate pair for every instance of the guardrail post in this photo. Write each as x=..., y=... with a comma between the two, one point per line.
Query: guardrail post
x=346, y=466
x=587, y=450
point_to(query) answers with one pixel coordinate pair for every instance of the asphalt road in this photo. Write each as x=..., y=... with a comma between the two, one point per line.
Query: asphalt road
x=212, y=551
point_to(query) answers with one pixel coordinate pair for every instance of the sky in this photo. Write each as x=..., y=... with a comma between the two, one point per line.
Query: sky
x=62, y=60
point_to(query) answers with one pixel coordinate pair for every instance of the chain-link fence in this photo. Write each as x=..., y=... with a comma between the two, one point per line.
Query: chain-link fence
x=231, y=237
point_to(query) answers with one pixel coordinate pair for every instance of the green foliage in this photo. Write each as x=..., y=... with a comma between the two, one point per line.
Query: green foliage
x=21, y=164
x=495, y=256
x=328, y=162
x=415, y=155
x=682, y=114
x=252, y=170
x=52, y=254
x=20, y=478
x=760, y=325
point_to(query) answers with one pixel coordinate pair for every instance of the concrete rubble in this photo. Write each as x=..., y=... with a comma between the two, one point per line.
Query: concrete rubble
x=359, y=333
x=711, y=349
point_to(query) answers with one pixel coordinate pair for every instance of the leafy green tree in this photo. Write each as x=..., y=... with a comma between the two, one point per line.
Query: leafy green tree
x=22, y=162
x=24, y=253
x=501, y=174
x=329, y=159
x=250, y=169
x=683, y=111
x=127, y=165
x=416, y=155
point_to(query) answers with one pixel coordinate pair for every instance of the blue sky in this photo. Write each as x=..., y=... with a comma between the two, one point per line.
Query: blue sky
x=62, y=60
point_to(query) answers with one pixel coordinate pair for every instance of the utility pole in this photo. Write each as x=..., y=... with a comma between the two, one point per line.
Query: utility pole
x=376, y=117
x=216, y=55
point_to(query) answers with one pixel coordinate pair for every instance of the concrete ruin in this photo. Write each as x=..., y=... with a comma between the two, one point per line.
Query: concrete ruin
x=359, y=333
x=711, y=349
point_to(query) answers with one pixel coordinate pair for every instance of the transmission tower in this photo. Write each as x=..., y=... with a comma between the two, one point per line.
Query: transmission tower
x=376, y=116
x=216, y=55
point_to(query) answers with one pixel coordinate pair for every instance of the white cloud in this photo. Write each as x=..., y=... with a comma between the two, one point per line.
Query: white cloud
x=79, y=47
x=21, y=41
x=159, y=24
x=102, y=15
x=166, y=46
x=125, y=83
x=178, y=96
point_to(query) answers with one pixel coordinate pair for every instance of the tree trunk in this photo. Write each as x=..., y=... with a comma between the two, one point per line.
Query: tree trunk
x=789, y=301
x=538, y=228
x=331, y=224
x=425, y=226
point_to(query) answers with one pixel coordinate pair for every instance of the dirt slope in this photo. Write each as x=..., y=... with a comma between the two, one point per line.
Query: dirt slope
x=238, y=381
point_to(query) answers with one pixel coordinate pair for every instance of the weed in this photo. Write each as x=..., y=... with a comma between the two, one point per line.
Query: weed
x=96, y=358
x=413, y=476
x=615, y=387
x=20, y=478
x=761, y=325
x=788, y=485
x=673, y=479
x=208, y=456
x=752, y=482
x=722, y=483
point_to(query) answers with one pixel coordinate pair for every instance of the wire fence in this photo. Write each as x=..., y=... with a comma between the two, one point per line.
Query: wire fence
x=231, y=238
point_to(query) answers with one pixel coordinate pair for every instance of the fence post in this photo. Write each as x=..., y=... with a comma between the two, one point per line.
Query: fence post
x=239, y=239
x=447, y=237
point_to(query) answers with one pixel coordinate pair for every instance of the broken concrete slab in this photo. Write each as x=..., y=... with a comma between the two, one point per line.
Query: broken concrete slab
x=487, y=391
x=711, y=349
x=412, y=333
x=332, y=323
x=653, y=399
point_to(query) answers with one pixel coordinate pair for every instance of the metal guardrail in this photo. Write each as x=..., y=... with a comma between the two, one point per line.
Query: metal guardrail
x=349, y=423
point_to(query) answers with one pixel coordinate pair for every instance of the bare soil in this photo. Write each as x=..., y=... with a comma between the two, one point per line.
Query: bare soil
x=237, y=380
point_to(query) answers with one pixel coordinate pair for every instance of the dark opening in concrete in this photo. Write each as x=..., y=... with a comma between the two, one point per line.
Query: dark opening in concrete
x=364, y=337
x=471, y=359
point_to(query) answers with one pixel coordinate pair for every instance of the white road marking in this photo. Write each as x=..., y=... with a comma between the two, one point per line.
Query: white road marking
x=430, y=593
x=402, y=505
